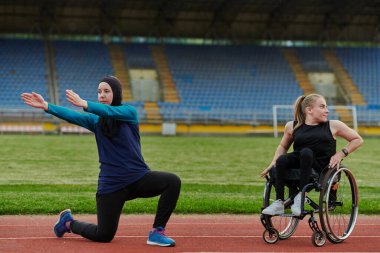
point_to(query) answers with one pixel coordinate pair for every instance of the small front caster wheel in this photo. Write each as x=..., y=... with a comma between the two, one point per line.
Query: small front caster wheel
x=318, y=239
x=270, y=235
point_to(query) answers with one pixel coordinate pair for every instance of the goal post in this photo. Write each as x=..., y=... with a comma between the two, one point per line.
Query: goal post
x=288, y=115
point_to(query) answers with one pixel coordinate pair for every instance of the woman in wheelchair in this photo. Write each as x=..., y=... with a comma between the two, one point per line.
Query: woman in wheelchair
x=314, y=142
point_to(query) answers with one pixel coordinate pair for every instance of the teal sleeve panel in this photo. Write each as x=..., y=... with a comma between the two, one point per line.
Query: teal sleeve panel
x=85, y=120
x=125, y=113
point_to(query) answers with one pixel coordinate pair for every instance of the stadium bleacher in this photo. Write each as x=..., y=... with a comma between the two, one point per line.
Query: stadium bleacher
x=22, y=69
x=138, y=56
x=234, y=83
x=80, y=66
x=238, y=84
x=363, y=65
x=312, y=59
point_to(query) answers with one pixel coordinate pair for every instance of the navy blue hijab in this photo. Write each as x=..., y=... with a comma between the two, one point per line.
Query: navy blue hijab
x=110, y=127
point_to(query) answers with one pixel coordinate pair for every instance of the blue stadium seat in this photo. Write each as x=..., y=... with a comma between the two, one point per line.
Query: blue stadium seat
x=241, y=81
x=238, y=83
x=312, y=59
x=363, y=65
x=138, y=56
x=22, y=69
x=80, y=66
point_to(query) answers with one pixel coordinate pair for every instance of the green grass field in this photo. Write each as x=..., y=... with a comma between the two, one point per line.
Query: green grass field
x=45, y=174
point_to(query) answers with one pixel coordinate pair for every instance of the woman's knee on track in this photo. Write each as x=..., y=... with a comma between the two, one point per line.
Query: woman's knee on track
x=105, y=236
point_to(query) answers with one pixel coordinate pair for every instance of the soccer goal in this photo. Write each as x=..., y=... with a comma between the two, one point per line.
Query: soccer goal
x=285, y=113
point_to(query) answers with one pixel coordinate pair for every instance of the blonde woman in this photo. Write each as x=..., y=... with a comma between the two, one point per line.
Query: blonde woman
x=314, y=142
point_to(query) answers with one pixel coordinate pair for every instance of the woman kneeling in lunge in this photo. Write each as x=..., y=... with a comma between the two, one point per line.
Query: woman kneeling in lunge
x=124, y=174
x=314, y=138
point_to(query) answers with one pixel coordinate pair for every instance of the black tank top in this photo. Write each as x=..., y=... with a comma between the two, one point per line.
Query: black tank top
x=318, y=138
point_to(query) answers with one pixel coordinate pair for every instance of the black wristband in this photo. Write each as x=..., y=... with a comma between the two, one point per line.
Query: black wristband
x=345, y=151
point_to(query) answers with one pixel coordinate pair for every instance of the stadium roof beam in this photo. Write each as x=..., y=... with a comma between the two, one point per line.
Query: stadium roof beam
x=341, y=16
x=165, y=19
x=223, y=17
x=279, y=19
x=239, y=20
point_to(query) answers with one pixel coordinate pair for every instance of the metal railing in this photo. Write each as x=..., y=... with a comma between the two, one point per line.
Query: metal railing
x=214, y=117
x=290, y=109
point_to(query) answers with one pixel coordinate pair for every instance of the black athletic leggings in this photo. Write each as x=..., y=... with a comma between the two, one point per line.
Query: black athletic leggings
x=109, y=206
x=304, y=160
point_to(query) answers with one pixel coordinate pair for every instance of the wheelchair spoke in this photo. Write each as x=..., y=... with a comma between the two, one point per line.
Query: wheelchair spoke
x=339, y=206
x=284, y=224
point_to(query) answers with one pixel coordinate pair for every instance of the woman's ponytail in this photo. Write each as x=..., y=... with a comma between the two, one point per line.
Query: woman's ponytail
x=299, y=108
x=299, y=115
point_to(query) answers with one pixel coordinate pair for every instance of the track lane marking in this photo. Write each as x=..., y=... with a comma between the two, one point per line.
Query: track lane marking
x=175, y=236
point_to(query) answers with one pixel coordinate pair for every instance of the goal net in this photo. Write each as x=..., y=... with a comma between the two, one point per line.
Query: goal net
x=285, y=113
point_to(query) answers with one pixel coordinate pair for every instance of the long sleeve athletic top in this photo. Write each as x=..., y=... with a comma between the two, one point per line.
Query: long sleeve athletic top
x=121, y=161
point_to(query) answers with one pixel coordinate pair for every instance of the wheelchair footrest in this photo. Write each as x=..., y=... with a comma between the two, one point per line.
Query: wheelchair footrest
x=287, y=215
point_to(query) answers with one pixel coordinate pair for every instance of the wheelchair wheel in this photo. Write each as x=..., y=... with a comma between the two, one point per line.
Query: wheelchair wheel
x=270, y=236
x=339, y=205
x=285, y=225
x=318, y=239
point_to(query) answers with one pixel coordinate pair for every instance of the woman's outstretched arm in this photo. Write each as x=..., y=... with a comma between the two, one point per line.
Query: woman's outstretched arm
x=35, y=100
x=85, y=120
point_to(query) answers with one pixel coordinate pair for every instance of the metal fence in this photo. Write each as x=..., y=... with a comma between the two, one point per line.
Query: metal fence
x=182, y=116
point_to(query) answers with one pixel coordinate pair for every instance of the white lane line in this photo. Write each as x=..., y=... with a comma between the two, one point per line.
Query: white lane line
x=176, y=236
x=267, y=251
x=171, y=223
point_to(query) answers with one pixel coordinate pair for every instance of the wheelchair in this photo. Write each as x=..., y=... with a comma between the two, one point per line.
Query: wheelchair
x=336, y=203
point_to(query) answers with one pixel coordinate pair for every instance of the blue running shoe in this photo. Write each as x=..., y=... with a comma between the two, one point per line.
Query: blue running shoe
x=157, y=237
x=60, y=226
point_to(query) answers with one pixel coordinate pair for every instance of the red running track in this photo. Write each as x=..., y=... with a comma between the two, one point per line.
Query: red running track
x=193, y=233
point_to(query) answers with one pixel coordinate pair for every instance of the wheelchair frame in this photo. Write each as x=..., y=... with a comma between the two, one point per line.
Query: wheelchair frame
x=331, y=201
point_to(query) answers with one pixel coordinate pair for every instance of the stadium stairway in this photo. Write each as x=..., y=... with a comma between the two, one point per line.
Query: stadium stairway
x=120, y=69
x=345, y=80
x=152, y=112
x=166, y=78
x=303, y=81
x=51, y=74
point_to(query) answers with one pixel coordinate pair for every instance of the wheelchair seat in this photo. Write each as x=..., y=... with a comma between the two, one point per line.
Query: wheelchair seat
x=293, y=176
